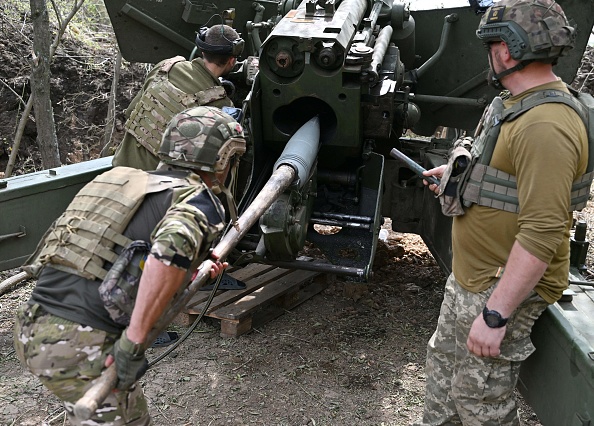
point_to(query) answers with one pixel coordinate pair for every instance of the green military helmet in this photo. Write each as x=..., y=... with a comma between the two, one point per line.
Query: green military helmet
x=534, y=30
x=202, y=138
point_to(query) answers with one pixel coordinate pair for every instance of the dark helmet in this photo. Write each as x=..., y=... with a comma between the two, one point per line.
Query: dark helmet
x=220, y=39
x=534, y=30
x=202, y=138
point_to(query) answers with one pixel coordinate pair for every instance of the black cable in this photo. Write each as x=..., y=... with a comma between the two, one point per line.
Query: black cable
x=197, y=320
x=192, y=327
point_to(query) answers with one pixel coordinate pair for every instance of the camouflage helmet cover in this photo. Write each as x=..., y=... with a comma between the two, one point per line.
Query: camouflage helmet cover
x=203, y=138
x=532, y=29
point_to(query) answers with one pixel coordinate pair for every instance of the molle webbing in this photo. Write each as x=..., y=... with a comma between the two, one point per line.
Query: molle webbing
x=499, y=189
x=160, y=103
x=490, y=187
x=580, y=191
x=82, y=239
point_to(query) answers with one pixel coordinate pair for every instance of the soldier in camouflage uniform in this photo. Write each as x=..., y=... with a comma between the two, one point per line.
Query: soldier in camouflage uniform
x=71, y=328
x=507, y=266
x=173, y=85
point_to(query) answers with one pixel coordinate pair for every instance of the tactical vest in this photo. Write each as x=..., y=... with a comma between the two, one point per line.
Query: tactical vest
x=82, y=239
x=160, y=102
x=488, y=186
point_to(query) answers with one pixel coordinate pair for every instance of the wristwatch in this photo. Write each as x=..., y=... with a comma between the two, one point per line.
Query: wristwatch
x=493, y=318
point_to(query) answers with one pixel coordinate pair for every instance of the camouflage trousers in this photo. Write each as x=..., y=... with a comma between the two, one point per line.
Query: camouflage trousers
x=67, y=357
x=465, y=389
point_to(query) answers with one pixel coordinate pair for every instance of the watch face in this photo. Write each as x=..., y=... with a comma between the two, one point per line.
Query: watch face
x=492, y=320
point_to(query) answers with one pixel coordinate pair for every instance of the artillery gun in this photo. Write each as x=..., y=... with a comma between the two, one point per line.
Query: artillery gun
x=370, y=71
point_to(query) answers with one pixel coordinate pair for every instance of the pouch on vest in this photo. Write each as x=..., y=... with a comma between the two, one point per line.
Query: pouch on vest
x=120, y=286
x=454, y=177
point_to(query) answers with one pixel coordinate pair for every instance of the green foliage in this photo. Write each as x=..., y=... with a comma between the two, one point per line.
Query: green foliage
x=90, y=25
x=14, y=10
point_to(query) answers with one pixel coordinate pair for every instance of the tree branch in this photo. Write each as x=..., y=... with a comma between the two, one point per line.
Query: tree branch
x=13, y=92
x=29, y=105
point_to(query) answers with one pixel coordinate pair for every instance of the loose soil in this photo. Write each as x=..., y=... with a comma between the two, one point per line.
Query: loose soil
x=351, y=355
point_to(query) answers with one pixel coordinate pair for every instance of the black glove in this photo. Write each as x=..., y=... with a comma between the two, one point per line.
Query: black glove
x=131, y=364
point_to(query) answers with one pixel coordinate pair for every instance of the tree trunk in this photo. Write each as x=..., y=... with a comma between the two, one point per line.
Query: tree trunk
x=40, y=86
x=17, y=137
x=111, y=109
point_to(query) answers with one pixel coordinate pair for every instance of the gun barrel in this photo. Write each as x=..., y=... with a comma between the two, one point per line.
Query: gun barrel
x=279, y=181
x=379, y=50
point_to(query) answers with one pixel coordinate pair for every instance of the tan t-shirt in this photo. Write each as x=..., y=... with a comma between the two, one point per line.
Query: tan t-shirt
x=546, y=148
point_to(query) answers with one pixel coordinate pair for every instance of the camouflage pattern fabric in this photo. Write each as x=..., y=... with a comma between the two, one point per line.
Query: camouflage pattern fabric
x=466, y=389
x=545, y=31
x=67, y=357
x=190, y=77
x=202, y=138
x=161, y=102
x=193, y=222
x=119, y=288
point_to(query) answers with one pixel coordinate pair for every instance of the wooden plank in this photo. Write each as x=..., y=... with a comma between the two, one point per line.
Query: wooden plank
x=278, y=301
x=269, y=292
x=246, y=305
x=242, y=274
x=251, y=285
x=235, y=328
x=319, y=283
x=187, y=317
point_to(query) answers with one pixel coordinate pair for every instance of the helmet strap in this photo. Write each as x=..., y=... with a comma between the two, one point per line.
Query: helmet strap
x=230, y=203
x=496, y=78
x=229, y=194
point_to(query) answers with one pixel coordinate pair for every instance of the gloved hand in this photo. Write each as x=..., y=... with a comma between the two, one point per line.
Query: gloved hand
x=131, y=364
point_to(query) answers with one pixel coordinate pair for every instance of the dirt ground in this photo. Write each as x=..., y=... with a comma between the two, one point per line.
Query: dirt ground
x=351, y=355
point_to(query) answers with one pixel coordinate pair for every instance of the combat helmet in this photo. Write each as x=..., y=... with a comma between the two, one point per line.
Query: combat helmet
x=534, y=30
x=202, y=138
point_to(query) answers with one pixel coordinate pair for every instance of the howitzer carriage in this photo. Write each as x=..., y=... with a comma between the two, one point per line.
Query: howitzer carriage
x=350, y=77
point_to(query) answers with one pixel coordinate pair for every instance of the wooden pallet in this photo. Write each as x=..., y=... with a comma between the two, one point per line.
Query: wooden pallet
x=269, y=292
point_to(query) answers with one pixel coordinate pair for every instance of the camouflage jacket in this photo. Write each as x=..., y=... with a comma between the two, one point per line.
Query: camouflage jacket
x=185, y=219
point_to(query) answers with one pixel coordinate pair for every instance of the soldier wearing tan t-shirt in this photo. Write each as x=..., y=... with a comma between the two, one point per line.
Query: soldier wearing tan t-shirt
x=507, y=266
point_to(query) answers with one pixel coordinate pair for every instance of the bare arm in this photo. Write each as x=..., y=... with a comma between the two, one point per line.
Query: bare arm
x=158, y=284
x=522, y=272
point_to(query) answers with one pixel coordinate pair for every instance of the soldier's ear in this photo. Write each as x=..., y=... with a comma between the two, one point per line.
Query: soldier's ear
x=505, y=51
